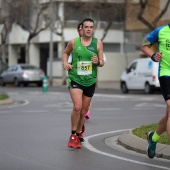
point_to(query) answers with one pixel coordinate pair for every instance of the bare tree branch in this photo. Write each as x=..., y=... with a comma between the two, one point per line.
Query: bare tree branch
x=109, y=24
x=38, y=20
x=143, y=4
x=161, y=14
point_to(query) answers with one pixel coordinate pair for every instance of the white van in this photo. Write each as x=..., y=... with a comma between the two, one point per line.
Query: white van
x=141, y=74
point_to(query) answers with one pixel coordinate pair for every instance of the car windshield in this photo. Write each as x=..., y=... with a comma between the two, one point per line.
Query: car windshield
x=29, y=67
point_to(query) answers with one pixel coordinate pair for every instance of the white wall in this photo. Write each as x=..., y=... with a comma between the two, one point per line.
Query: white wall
x=115, y=65
x=12, y=55
x=17, y=35
x=116, y=62
x=111, y=71
x=34, y=54
x=113, y=36
x=56, y=69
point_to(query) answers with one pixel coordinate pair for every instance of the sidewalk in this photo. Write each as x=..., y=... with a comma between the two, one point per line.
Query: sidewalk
x=7, y=101
x=132, y=142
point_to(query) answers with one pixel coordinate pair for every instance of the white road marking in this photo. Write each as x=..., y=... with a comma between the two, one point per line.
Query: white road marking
x=142, y=108
x=130, y=97
x=36, y=111
x=91, y=148
x=16, y=105
x=4, y=111
x=149, y=105
x=114, y=95
x=60, y=104
x=66, y=110
x=107, y=109
x=141, y=105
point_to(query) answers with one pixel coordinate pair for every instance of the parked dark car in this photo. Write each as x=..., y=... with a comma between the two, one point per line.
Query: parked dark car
x=22, y=74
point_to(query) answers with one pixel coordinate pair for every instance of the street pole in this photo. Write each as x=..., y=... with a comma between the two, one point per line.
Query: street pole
x=51, y=48
x=124, y=37
x=62, y=19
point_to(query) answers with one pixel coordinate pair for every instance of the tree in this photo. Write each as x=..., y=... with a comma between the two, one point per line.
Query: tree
x=99, y=10
x=4, y=34
x=111, y=14
x=36, y=25
x=144, y=4
x=145, y=14
x=28, y=14
x=4, y=20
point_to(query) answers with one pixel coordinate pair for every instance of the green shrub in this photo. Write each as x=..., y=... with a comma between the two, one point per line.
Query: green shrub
x=3, y=96
x=144, y=129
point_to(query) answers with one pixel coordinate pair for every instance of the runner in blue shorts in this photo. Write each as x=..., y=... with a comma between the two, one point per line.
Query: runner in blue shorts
x=161, y=36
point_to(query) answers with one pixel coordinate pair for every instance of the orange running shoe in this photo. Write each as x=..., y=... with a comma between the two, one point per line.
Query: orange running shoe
x=77, y=144
x=74, y=142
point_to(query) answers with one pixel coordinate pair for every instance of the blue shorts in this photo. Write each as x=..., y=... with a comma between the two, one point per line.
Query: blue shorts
x=87, y=91
x=165, y=86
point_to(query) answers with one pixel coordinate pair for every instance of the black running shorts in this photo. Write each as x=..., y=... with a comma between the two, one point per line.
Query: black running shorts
x=87, y=91
x=165, y=86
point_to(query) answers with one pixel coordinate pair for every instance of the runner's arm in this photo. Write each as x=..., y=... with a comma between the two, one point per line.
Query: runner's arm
x=99, y=61
x=149, y=52
x=66, y=54
x=100, y=53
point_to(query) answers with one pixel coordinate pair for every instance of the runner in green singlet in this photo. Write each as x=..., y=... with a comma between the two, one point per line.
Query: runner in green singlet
x=87, y=55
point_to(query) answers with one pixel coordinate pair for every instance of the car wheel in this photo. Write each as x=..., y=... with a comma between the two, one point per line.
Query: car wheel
x=16, y=82
x=148, y=88
x=124, y=88
x=2, y=82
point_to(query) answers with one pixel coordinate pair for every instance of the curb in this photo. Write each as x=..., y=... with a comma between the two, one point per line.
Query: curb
x=134, y=143
x=7, y=101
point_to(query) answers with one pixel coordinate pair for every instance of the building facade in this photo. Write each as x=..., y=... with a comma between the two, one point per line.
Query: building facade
x=45, y=49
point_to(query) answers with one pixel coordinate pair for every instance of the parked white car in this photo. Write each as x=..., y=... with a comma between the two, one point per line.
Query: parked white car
x=141, y=74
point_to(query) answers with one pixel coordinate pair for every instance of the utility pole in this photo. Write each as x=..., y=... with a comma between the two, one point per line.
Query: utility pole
x=124, y=37
x=62, y=20
x=51, y=47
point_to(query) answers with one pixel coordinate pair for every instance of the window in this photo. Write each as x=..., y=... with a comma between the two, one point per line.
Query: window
x=135, y=1
x=114, y=47
x=114, y=12
x=132, y=67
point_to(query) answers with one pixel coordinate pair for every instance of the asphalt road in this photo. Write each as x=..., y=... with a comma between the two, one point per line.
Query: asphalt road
x=35, y=130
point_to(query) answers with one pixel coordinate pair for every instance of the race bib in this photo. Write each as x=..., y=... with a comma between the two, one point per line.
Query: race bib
x=84, y=67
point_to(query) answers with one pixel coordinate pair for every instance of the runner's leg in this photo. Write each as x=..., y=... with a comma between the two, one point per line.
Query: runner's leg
x=85, y=104
x=168, y=119
x=76, y=96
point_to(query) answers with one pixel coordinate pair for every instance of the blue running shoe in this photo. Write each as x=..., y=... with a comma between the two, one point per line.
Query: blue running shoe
x=151, y=146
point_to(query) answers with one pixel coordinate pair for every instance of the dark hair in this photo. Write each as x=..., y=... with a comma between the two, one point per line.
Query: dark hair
x=87, y=19
x=79, y=26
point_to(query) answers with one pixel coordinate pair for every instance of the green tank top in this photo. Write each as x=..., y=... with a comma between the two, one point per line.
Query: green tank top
x=84, y=72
